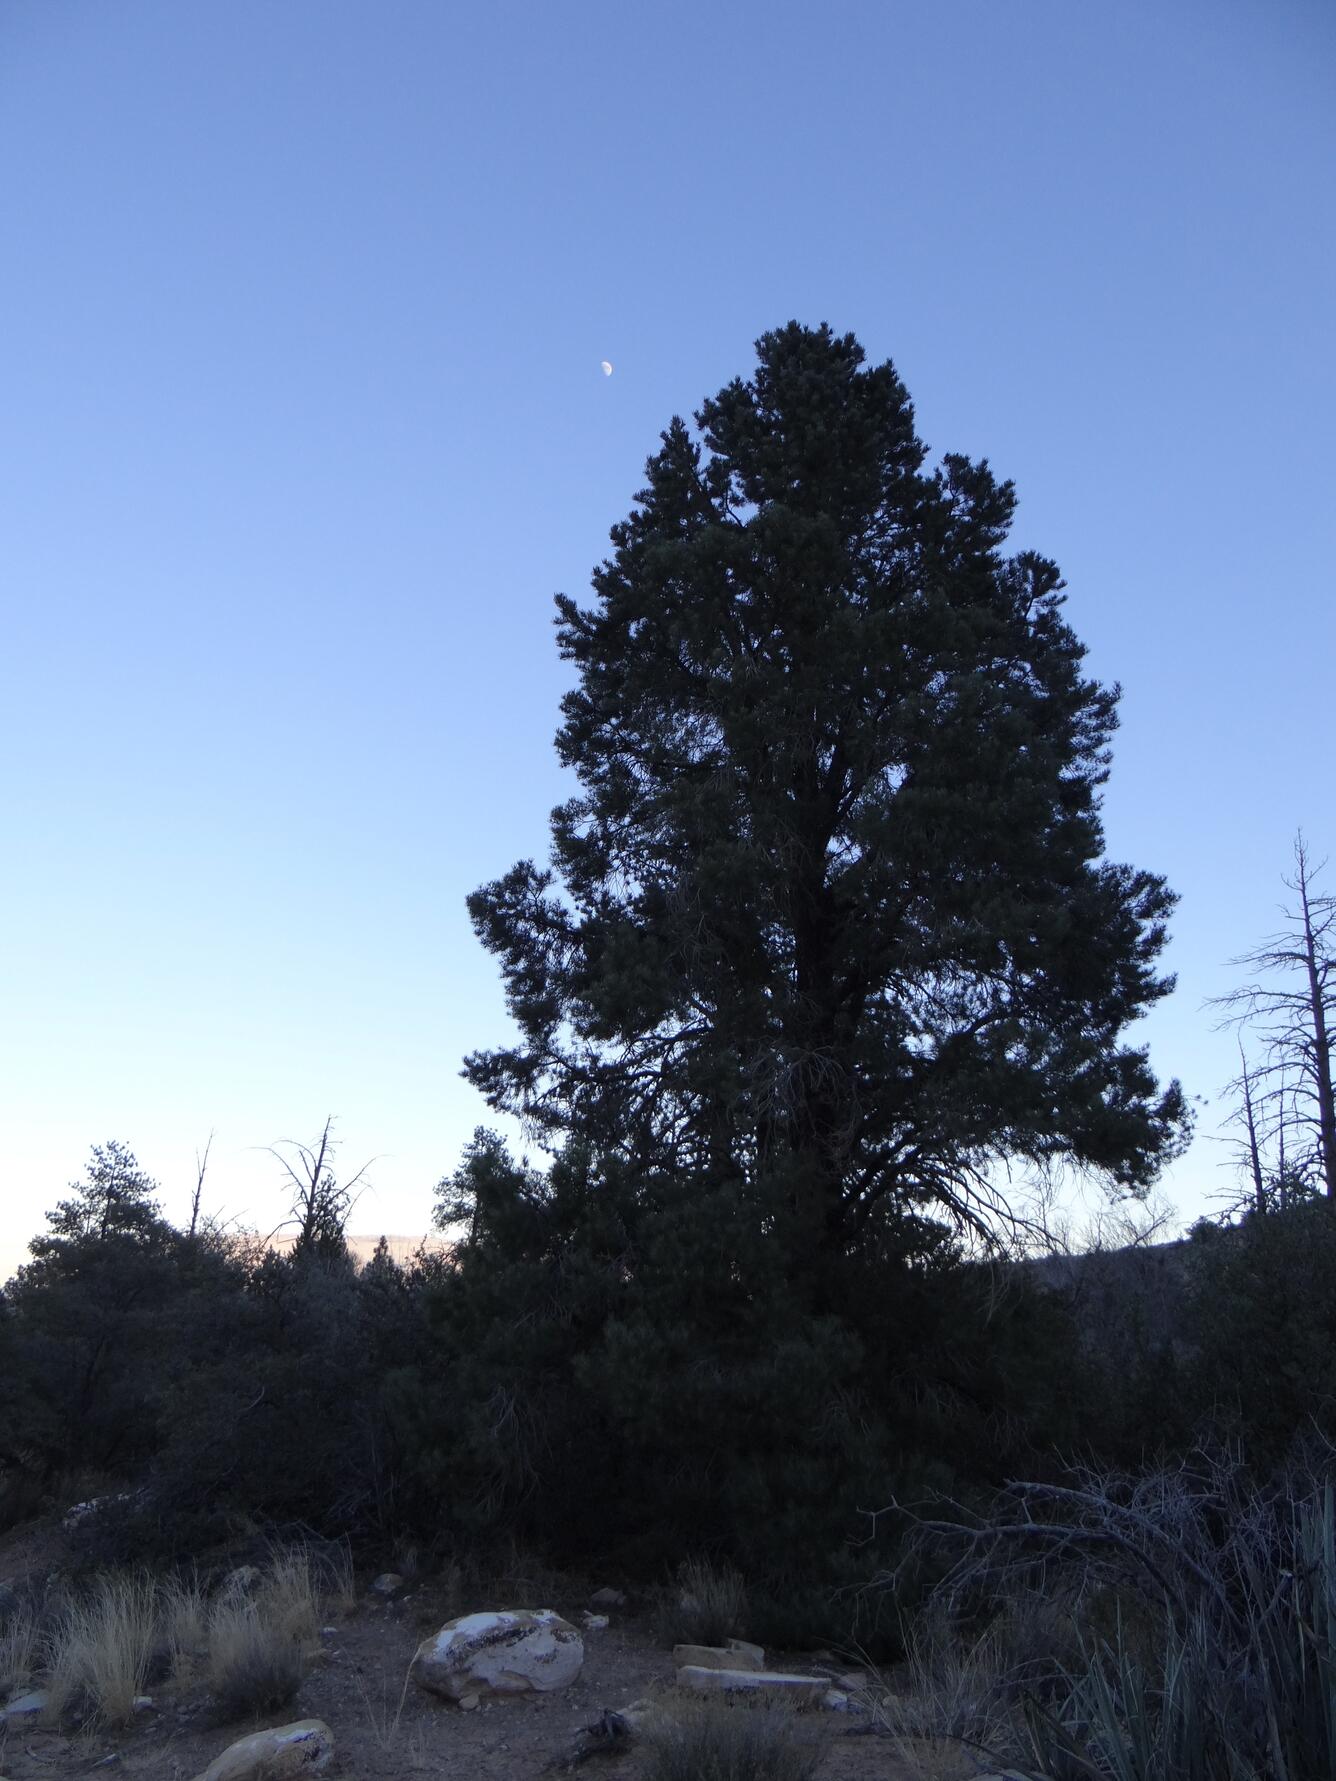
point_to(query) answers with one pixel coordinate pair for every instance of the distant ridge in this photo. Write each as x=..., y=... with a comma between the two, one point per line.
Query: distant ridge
x=402, y=1249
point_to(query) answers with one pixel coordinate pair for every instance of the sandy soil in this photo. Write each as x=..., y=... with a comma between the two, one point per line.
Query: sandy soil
x=384, y=1733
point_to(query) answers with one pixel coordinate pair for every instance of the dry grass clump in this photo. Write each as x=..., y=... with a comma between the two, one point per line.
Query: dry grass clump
x=383, y=1717
x=707, y=1606
x=290, y=1596
x=98, y=1653
x=713, y=1739
x=257, y=1644
x=94, y=1653
x=18, y=1650
x=255, y=1664
x=951, y=1690
x=184, y=1624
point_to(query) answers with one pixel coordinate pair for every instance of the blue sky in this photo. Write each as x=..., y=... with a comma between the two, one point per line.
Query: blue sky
x=302, y=424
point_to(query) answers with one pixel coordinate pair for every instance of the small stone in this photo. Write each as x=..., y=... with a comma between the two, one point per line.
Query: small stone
x=145, y=1703
x=387, y=1583
x=608, y=1598
x=468, y=1703
x=594, y=1623
x=852, y=1681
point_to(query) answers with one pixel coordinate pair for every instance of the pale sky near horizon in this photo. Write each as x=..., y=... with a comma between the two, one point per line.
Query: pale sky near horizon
x=302, y=423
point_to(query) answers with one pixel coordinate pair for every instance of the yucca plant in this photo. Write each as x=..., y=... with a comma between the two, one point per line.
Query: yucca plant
x=1240, y=1682
x=1295, y=1647
x=1123, y=1723
x=1248, y=1697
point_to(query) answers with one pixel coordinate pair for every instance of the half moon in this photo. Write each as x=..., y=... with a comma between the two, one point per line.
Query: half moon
x=605, y=367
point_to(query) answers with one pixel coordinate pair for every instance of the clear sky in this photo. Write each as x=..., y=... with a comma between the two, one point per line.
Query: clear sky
x=302, y=424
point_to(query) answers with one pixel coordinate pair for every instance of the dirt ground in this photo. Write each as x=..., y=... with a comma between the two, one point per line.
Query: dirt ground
x=383, y=1732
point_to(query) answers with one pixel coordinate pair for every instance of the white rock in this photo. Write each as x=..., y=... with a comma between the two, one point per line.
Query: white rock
x=23, y=1706
x=773, y=1684
x=641, y=1715
x=79, y=1513
x=594, y=1623
x=306, y=1747
x=734, y=1656
x=504, y=1651
x=835, y=1700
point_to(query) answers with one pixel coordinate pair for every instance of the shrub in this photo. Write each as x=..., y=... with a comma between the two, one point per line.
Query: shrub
x=718, y=1740
x=21, y=1498
x=707, y=1605
x=1263, y=1319
x=98, y=1653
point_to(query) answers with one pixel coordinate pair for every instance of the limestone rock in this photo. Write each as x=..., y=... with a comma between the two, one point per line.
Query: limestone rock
x=306, y=1747
x=802, y=1691
x=24, y=1706
x=712, y=1657
x=80, y=1514
x=504, y=1651
x=736, y=1655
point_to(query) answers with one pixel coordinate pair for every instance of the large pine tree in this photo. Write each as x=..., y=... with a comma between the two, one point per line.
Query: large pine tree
x=828, y=926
